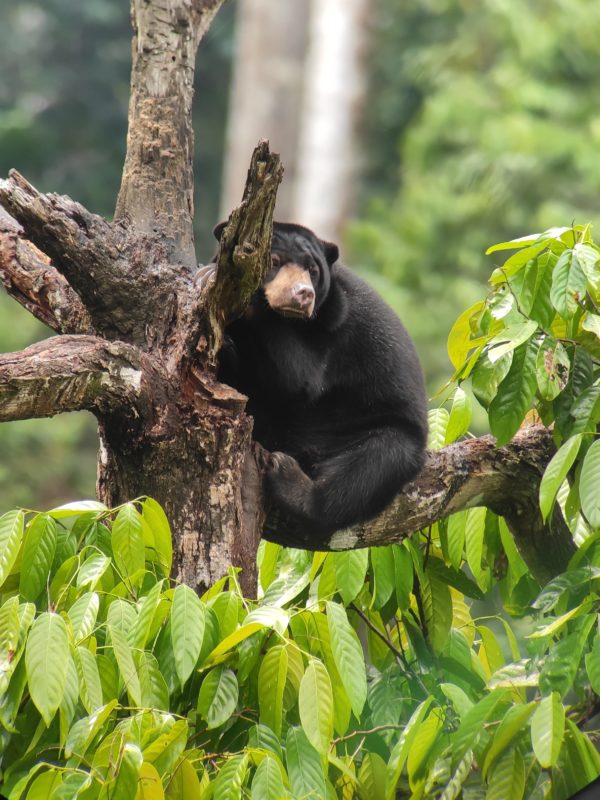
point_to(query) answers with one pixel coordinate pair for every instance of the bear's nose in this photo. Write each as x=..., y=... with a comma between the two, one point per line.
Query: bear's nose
x=303, y=294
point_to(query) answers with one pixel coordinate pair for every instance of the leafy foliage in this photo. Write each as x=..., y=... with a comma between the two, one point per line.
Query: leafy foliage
x=117, y=684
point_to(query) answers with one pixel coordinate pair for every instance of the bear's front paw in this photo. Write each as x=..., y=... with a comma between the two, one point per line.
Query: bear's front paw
x=206, y=275
x=286, y=484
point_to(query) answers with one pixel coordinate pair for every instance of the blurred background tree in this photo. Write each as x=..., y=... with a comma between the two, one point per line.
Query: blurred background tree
x=480, y=122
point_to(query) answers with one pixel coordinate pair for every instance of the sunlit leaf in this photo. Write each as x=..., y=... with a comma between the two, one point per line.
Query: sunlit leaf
x=315, y=704
x=218, y=696
x=46, y=657
x=589, y=485
x=348, y=656
x=547, y=730
x=11, y=536
x=556, y=472
x=187, y=630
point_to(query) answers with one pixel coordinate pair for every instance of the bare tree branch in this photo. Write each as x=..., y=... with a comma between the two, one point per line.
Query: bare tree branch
x=105, y=264
x=29, y=277
x=72, y=373
x=467, y=474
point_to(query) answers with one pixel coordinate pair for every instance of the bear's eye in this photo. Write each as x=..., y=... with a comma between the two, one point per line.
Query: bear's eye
x=313, y=270
x=275, y=260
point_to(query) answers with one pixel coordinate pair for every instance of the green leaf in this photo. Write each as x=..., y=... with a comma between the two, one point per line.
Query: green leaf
x=150, y=785
x=437, y=420
x=402, y=748
x=128, y=541
x=472, y=724
x=267, y=783
x=437, y=607
x=556, y=472
x=92, y=569
x=271, y=685
x=89, y=679
x=423, y=743
x=45, y=785
x=512, y=725
x=46, y=657
x=147, y=606
x=166, y=750
x=588, y=258
x=348, y=655
x=122, y=616
x=371, y=777
x=589, y=485
x=218, y=696
x=383, y=570
x=460, y=341
x=515, y=394
x=510, y=339
x=83, y=614
x=460, y=416
x=474, y=538
x=11, y=536
x=513, y=244
x=350, y=570
x=304, y=766
x=184, y=783
x=228, y=785
x=123, y=783
x=548, y=729
x=456, y=537
x=154, y=516
x=315, y=703
x=508, y=778
x=84, y=731
x=403, y=570
x=487, y=376
x=552, y=368
x=187, y=630
x=592, y=665
x=153, y=687
x=591, y=323
x=568, y=284
x=124, y=658
x=38, y=555
x=77, y=508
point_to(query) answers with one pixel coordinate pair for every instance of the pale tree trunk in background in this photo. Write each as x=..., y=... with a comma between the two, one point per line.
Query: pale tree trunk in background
x=266, y=95
x=334, y=91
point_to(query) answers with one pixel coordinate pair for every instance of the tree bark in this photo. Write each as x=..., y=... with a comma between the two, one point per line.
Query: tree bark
x=464, y=475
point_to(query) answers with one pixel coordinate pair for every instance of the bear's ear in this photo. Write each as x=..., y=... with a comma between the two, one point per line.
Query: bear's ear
x=218, y=230
x=332, y=252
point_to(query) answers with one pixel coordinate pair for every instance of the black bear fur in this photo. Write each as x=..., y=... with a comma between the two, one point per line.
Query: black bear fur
x=336, y=390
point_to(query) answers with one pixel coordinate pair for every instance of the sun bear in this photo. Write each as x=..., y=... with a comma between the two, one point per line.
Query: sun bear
x=333, y=383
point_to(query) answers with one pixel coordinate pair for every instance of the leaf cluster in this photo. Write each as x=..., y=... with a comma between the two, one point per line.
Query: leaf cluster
x=355, y=674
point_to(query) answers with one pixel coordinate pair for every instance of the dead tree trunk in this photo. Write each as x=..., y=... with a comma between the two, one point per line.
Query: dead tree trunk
x=145, y=331
x=139, y=332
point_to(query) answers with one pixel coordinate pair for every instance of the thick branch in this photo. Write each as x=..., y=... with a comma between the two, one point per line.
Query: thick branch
x=71, y=373
x=29, y=277
x=120, y=278
x=157, y=187
x=464, y=475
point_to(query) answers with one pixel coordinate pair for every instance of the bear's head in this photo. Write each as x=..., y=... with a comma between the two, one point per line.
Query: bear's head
x=300, y=276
